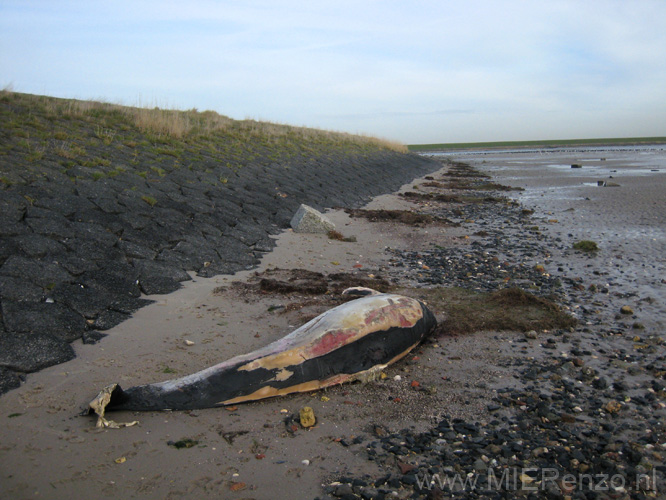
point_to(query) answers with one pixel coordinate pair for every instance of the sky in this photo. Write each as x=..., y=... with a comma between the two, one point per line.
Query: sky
x=416, y=72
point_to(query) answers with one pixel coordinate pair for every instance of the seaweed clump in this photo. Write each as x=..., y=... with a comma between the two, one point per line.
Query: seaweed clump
x=586, y=246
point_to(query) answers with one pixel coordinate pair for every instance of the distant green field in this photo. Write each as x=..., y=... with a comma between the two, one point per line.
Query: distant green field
x=544, y=144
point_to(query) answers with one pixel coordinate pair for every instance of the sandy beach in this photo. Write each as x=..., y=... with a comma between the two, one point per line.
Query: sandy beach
x=256, y=451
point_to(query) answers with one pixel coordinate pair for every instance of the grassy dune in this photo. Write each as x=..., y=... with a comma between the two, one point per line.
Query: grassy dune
x=538, y=144
x=97, y=139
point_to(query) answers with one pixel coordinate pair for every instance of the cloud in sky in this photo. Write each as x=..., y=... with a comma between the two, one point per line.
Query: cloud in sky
x=428, y=71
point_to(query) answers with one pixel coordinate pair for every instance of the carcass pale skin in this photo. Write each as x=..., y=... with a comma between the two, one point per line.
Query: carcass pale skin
x=354, y=340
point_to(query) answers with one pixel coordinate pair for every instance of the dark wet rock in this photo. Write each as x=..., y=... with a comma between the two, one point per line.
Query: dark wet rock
x=19, y=289
x=369, y=493
x=90, y=251
x=148, y=236
x=600, y=383
x=9, y=379
x=112, y=223
x=92, y=337
x=159, y=278
x=29, y=352
x=219, y=267
x=109, y=319
x=36, y=245
x=128, y=305
x=13, y=206
x=42, y=273
x=344, y=490
x=52, y=225
x=53, y=319
x=86, y=301
x=228, y=250
x=158, y=285
x=194, y=253
x=10, y=228
x=65, y=205
x=76, y=265
x=118, y=278
x=134, y=221
x=248, y=234
x=136, y=250
x=100, y=234
x=8, y=246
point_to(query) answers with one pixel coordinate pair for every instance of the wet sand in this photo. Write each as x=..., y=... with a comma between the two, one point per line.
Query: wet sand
x=48, y=451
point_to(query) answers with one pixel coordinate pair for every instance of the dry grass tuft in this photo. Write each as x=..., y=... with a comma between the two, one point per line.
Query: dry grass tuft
x=176, y=124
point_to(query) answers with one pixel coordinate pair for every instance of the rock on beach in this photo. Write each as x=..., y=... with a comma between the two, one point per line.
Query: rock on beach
x=308, y=220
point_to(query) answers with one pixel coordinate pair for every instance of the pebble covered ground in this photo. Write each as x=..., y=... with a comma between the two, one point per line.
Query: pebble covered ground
x=583, y=416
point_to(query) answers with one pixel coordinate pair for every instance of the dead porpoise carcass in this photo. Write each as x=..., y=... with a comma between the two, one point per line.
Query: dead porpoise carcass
x=354, y=340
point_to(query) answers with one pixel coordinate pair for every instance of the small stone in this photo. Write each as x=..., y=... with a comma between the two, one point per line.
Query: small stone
x=343, y=490
x=532, y=334
x=600, y=383
x=612, y=406
x=380, y=431
x=237, y=486
x=305, y=462
x=626, y=310
x=92, y=337
x=369, y=493
x=494, y=449
x=480, y=465
x=189, y=343
x=406, y=468
x=307, y=417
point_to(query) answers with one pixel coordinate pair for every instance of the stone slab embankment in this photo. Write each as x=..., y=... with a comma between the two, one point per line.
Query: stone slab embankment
x=76, y=257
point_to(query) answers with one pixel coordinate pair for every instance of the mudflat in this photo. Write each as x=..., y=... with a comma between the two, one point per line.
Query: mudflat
x=585, y=397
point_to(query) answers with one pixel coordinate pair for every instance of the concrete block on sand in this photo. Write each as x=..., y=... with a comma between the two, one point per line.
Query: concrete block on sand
x=309, y=220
